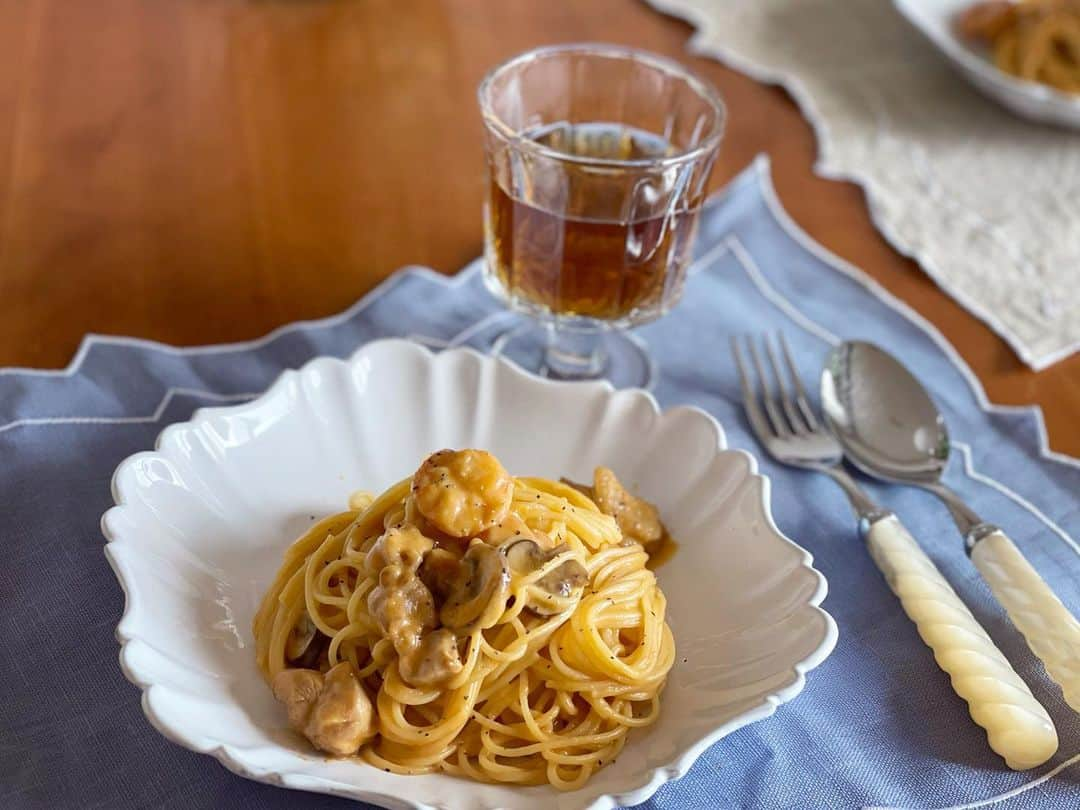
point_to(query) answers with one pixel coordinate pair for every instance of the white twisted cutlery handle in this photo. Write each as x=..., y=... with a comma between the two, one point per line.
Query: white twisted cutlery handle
x=1051, y=631
x=1017, y=726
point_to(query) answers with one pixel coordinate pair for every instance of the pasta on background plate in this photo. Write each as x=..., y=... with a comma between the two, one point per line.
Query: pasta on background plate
x=469, y=622
x=1036, y=40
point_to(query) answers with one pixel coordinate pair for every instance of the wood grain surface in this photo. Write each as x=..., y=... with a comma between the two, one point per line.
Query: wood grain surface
x=196, y=171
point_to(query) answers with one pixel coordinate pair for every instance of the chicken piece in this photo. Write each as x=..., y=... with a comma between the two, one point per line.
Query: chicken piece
x=434, y=660
x=342, y=718
x=638, y=519
x=298, y=689
x=404, y=547
x=402, y=606
x=462, y=492
x=333, y=711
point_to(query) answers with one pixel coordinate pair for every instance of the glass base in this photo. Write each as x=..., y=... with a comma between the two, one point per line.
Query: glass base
x=619, y=357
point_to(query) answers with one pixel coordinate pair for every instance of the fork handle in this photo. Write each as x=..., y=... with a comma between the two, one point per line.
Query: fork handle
x=1051, y=631
x=1017, y=726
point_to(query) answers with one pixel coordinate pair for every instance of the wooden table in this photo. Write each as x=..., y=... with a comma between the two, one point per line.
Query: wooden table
x=196, y=171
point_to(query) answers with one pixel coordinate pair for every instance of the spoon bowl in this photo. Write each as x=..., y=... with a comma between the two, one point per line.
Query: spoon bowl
x=889, y=426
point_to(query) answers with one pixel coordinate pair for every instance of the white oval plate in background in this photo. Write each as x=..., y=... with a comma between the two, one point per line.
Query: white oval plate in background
x=201, y=524
x=1030, y=100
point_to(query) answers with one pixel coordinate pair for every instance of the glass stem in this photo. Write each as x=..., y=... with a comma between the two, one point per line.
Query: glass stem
x=574, y=354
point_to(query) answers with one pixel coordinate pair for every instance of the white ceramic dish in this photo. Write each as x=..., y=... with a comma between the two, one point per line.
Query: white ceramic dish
x=202, y=521
x=1035, y=102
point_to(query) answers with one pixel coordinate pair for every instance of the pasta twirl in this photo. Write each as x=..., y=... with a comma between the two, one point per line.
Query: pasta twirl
x=522, y=647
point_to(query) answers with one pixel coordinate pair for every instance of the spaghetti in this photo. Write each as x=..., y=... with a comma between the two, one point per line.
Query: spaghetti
x=463, y=621
x=1036, y=40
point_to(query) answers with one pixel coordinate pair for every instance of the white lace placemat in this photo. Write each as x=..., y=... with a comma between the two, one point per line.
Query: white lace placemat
x=988, y=204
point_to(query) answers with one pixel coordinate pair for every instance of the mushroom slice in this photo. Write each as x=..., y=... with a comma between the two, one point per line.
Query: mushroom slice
x=549, y=593
x=434, y=661
x=439, y=570
x=477, y=595
x=300, y=637
x=637, y=518
x=462, y=492
x=333, y=711
x=304, y=644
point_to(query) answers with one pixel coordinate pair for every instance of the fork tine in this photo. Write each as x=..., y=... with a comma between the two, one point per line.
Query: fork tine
x=744, y=380
x=756, y=418
x=800, y=392
x=775, y=417
x=785, y=398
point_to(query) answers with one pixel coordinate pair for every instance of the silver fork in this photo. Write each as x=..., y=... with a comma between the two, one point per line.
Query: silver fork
x=794, y=435
x=1017, y=726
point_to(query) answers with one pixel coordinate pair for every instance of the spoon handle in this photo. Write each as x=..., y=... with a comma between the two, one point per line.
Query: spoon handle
x=1051, y=631
x=1017, y=726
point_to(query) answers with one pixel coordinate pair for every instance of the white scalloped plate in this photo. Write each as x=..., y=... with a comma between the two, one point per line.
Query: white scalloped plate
x=1030, y=100
x=202, y=521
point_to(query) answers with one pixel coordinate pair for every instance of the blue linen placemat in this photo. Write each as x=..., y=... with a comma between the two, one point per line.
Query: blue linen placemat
x=877, y=724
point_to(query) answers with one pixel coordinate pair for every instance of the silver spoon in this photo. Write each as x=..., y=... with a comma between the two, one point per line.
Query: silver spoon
x=891, y=429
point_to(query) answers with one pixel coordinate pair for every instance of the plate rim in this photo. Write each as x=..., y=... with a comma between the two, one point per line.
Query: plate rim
x=230, y=757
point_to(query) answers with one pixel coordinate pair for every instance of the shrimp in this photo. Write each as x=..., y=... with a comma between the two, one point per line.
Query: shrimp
x=462, y=492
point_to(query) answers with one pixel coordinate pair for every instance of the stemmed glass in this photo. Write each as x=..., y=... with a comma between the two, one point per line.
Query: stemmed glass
x=598, y=158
